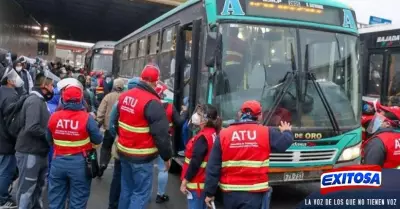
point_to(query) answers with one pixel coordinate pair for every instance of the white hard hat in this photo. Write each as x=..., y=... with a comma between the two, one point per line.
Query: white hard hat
x=69, y=82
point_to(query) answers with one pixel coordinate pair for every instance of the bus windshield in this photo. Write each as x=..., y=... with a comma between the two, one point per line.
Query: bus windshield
x=255, y=60
x=102, y=62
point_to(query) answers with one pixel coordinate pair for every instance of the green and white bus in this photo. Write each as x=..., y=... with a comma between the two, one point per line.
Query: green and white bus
x=298, y=58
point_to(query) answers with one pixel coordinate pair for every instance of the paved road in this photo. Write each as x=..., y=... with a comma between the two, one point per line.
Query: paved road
x=283, y=197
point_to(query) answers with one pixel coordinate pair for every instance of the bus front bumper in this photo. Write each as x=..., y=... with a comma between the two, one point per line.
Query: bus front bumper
x=281, y=176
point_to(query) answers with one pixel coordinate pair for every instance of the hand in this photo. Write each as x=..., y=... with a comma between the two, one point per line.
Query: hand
x=167, y=165
x=184, y=108
x=208, y=201
x=285, y=126
x=183, y=187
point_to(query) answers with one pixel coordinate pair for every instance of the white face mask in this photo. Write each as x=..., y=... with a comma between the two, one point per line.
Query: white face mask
x=18, y=69
x=196, y=119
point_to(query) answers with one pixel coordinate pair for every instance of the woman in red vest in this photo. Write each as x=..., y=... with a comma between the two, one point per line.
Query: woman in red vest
x=72, y=131
x=206, y=121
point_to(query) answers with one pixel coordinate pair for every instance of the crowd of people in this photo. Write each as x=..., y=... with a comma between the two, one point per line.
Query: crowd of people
x=54, y=120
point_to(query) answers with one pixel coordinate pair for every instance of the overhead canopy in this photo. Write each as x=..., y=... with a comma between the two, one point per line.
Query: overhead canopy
x=95, y=20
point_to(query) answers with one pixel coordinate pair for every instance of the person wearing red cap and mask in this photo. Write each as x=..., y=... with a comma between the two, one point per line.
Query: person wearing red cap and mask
x=239, y=160
x=174, y=119
x=383, y=147
x=72, y=131
x=143, y=131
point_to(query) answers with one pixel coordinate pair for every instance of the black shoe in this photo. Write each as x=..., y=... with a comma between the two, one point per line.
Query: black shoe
x=101, y=170
x=162, y=198
x=9, y=205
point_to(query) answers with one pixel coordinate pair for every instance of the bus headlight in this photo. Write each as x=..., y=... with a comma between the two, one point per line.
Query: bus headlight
x=351, y=153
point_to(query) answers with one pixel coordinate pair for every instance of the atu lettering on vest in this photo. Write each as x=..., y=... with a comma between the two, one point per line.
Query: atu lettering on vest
x=244, y=138
x=129, y=104
x=67, y=124
x=67, y=127
x=397, y=144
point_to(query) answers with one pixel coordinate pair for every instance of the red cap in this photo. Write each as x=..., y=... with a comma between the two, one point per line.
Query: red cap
x=252, y=105
x=160, y=88
x=150, y=73
x=72, y=93
x=392, y=109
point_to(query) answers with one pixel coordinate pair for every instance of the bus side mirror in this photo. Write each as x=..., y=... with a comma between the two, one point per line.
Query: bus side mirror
x=213, y=49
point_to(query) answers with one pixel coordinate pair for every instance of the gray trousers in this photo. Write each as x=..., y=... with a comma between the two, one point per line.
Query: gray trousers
x=31, y=180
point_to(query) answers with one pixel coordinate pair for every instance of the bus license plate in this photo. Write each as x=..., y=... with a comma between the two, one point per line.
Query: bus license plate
x=293, y=176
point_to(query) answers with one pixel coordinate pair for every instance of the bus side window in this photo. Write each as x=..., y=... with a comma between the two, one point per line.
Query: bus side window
x=394, y=79
x=374, y=75
x=167, y=56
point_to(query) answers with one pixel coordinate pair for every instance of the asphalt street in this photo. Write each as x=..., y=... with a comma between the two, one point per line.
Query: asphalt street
x=283, y=197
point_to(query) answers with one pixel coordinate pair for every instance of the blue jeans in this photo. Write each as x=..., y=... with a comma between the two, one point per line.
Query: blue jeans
x=162, y=176
x=68, y=176
x=8, y=168
x=247, y=200
x=115, y=189
x=136, y=185
x=197, y=202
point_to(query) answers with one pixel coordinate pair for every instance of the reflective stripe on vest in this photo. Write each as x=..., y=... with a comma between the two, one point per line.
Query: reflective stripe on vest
x=140, y=130
x=195, y=186
x=254, y=187
x=246, y=163
x=203, y=164
x=133, y=151
x=234, y=53
x=65, y=143
x=232, y=63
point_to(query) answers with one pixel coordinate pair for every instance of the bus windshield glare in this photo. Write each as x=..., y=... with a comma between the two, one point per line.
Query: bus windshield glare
x=102, y=62
x=255, y=60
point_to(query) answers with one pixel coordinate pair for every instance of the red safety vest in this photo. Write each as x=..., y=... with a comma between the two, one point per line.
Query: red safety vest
x=100, y=87
x=134, y=133
x=245, y=158
x=391, y=141
x=197, y=183
x=169, y=111
x=70, y=135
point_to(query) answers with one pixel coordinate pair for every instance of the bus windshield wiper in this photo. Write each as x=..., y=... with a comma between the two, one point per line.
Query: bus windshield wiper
x=328, y=108
x=287, y=80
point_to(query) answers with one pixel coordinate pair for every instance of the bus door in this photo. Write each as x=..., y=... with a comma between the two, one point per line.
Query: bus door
x=374, y=73
x=186, y=71
x=391, y=93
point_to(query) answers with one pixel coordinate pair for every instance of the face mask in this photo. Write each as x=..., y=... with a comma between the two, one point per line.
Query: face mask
x=196, y=119
x=18, y=69
x=48, y=95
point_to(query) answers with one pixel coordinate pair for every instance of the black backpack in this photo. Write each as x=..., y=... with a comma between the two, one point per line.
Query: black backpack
x=12, y=119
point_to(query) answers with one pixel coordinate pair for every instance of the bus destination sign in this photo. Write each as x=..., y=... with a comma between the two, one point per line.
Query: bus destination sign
x=387, y=41
x=289, y=10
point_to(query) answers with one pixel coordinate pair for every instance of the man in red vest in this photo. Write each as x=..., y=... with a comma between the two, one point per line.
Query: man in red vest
x=143, y=135
x=383, y=147
x=239, y=160
x=72, y=131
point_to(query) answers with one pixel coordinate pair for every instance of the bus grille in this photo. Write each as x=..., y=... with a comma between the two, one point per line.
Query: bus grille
x=303, y=156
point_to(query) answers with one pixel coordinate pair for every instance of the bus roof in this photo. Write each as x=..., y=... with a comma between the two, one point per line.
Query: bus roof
x=378, y=28
x=104, y=44
x=159, y=19
x=333, y=3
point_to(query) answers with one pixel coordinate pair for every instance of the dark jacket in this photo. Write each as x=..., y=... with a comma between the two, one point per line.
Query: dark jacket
x=156, y=117
x=7, y=97
x=32, y=137
x=177, y=119
x=279, y=142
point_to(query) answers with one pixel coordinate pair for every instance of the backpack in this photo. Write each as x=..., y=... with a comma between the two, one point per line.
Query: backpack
x=12, y=119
